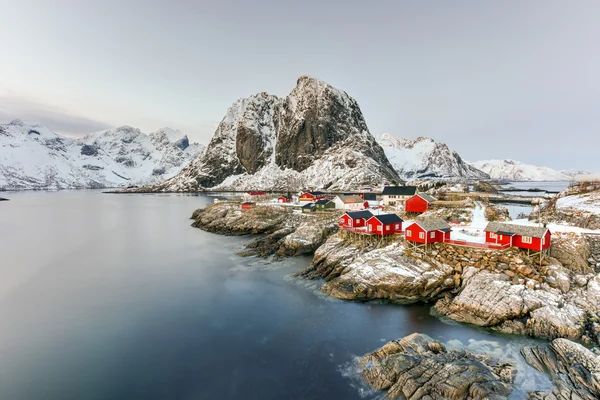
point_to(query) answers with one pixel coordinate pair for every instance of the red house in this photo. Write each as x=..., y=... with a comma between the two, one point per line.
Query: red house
x=355, y=219
x=248, y=205
x=418, y=203
x=386, y=224
x=521, y=236
x=428, y=231
x=256, y=193
x=284, y=199
x=312, y=196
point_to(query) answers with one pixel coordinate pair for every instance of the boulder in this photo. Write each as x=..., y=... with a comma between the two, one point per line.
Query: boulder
x=418, y=367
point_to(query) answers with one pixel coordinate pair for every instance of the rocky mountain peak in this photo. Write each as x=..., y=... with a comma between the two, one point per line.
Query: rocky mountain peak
x=284, y=139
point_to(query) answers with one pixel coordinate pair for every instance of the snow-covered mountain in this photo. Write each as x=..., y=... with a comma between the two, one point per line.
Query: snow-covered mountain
x=425, y=158
x=517, y=171
x=315, y=137
x=34, y=157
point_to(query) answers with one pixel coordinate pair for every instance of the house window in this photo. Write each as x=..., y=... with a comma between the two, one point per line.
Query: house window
x=421, y=235
x=526, y=239
x=370, y=227
x=379, y=228
x=432, y=235
x=500, y=237
x=544, y=240
x=408, y=233
x=359, y=220
x=492, y=235
x=397, y=226
x=387, y=227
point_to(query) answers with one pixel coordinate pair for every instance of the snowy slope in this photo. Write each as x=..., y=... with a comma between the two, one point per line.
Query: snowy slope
x=424, y=158
x=516, y=171
x=34, y=157
x=316, y=136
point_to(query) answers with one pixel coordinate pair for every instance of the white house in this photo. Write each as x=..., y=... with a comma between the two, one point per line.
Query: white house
x=397, y=195
x=350, y=203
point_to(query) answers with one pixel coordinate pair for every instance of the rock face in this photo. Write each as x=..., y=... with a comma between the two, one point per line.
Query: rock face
x=34, y=157
x=574, y=369
x=418, y=367
x=424, y=158
x=316, y=137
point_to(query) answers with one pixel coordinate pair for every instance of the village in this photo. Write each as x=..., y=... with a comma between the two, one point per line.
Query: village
x=405, y=213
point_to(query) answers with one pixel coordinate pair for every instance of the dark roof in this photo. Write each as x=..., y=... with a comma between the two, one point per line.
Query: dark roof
x=309, y=205
x=287, y=197
x=426, y=197
x=315, y=193
x=434, y=224
x=399, y=190
x=369, y=196
x=521, y=230
x=248, y=202
x=323, y=201
x=360, y=214
x=388, y=218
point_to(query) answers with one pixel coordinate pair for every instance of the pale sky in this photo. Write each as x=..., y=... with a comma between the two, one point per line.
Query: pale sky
x=492, y=79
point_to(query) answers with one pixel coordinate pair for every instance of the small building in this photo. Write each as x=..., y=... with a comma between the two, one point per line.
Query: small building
x=311, y=196
x=397, y=195
x=309, y=207
x=428, y=231
x=522, y=236
x=386, y=224
x=284, y=199
x=355, y=219
x=248, y=205
x=325, y=204
x=350, y=202
x=368, y=196
x=419, y=203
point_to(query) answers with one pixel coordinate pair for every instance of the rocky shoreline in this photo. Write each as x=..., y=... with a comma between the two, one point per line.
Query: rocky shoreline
x=557, y=298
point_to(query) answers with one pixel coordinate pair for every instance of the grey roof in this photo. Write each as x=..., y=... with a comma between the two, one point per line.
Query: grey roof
x=388, y=218
x=521, y=230
x=399, y=190
x=360, y=214
x=309, y=205
x=323, y=201
x=434, y=224
x=426, y=197
x=350, y=199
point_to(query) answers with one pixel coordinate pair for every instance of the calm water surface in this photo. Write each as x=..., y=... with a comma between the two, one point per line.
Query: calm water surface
x=117, y=297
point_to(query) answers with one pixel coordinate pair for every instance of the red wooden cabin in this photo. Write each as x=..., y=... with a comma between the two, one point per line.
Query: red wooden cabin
x=418, y=203
x=386, y=224
x=428, y=231
x=284, y=199
x=312, y=196
x=355, y=219
x=521, y=236
x=248, y=205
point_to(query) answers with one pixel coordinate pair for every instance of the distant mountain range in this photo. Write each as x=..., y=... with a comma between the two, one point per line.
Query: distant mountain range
x=34, y=157
x=314, y=137
x=424, y=158
x=517, y=171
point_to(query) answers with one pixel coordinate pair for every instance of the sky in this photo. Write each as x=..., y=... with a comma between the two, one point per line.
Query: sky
x=493, y=80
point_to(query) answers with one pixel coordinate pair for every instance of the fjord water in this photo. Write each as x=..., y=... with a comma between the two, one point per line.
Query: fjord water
x=117, y=297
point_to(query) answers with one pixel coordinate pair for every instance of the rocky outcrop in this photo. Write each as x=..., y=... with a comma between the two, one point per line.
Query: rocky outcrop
x=388, y=273
x=3, y=199
x=484, y=187
x=316, y=136
x=497, y=213
x=574, y=369
x=572, y=251
x=418, y=367
x=286, y=233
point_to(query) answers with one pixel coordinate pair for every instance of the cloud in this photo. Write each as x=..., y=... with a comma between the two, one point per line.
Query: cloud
x=58, y=120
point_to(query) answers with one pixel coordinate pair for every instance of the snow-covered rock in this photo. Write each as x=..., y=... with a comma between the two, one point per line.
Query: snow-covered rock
x=517, y=171
x=425, y=158
x=34, y=157
x=316, y=136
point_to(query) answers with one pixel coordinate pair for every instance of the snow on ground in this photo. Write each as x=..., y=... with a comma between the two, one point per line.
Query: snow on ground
x=588, y=202
x=517, y=171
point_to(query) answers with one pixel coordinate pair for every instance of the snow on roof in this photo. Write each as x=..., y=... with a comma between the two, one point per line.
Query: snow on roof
x=323, y=201
x=433, y=224
x=350, y=199
x=399, y=190
x=521, y=230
